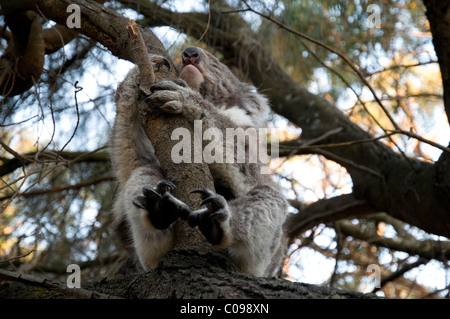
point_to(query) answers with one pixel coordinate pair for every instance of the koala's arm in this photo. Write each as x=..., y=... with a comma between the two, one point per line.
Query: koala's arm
x=141, y=238
x=144, y=209
x=176, y=97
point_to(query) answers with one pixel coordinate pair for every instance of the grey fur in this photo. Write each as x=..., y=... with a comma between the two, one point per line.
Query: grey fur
x=252, y=218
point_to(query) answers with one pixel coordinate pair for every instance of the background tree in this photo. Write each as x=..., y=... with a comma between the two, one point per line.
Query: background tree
x=362, y=97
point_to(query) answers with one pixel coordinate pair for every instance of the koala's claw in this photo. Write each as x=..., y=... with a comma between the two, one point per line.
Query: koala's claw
x=213, y=201
x=156, y=192
x=167, y=96
x=168, y=85
x=204, y=192
x=149, y=191
x=164, y=186
x=173, y=97
x=172, y=107
x=162, y=207
x=139, y=201
x=210, y=219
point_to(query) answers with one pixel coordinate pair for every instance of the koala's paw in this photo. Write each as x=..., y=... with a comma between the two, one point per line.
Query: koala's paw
x=162, y=207
x=213, y=220
x=169, y=96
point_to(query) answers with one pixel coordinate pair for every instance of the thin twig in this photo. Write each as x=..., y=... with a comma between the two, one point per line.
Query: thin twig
x=393, y=67
x=77, y=89
x=17, y=257
x=208, y=23
x=307, y=146
x=400, y=272
x=82, y=184
x=349, y=163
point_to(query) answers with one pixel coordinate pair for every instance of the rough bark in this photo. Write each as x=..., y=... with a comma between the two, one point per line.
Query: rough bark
x=183, y=274
x=186, y=176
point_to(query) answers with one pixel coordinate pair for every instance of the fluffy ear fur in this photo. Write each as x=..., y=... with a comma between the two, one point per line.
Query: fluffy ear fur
x=247, y=213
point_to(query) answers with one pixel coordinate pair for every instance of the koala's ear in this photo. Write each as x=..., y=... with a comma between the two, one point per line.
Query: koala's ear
x=159, y=62
x=178, y=64
x=166, y=63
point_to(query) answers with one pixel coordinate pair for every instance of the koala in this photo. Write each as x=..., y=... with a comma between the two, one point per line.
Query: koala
x=245, y=215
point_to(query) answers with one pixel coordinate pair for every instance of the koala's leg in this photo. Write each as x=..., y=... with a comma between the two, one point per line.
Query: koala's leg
x=150, y=211
x=249, y=226
x=257, y=227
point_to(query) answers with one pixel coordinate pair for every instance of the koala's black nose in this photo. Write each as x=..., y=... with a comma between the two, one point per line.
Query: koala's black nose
x=192, y=55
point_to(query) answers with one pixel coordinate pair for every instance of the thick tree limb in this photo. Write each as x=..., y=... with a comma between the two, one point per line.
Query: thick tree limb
x=57, y=37
x=103, y=25
x=141, y=58
x=327, y=210
x=186, y=274
x=438, y=14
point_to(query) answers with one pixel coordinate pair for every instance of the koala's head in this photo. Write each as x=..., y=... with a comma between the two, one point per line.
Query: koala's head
x=202, y=71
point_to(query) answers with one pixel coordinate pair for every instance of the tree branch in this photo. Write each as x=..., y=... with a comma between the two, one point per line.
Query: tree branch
x=326, y=210
x=60, y=189
x=399, y=273
x=103, y=25
x=429, y=249
x=438, y=14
